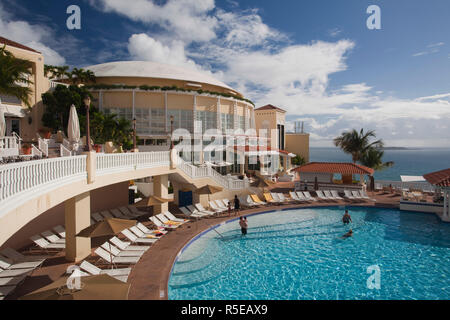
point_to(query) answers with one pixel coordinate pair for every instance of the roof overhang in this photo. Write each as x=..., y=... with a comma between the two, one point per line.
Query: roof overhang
x=13, y=111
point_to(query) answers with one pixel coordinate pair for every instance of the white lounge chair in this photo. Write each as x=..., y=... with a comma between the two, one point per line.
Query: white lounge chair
x=308, y=196
x=53, y=238
x=253, y=202
x=121, y=253
x=356, y=195
x=15, y=272
x=130, y=236
x=141, y=234
x=294, y=197
x=164, y=220
x=189, y=214
x=60, y=231
x=8, y=264
x=194, y=211
x=275, y=197
x=245, y=203
x=348, y=195
x=108, y=257
x=336, y=195
x=159, y=224
x=321, y=196
x=216, y=208
x=171, y=217
x=120, y=274
x=122, y=245
x=200, y=208
x=44, y=244
x=225, y=202
x=329, y=195
x=301, y=196
x=147, y=230
x=283, y=198
x=18, y=257
x=221, y=204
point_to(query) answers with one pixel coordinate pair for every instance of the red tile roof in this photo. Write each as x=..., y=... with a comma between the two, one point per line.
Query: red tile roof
x=335, y=167
x=16, y=44
x=439, y=178
x=270, y=107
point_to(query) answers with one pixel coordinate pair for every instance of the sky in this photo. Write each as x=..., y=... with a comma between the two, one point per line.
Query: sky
x=316, y=59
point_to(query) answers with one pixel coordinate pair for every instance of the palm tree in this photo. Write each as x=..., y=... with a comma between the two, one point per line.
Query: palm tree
x=77, y=76
x=372, y=158
x=14, y=76
x=357, y=143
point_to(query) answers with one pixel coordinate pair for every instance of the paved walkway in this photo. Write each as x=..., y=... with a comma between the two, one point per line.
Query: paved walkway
x=150, y=276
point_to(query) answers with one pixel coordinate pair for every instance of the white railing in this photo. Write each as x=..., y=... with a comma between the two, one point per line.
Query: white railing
x=109, y=163
x=34, y=176
x=43, y=146
x=208, y=172
x=54, y=84
x=35, y=151
x=64, y=152
x=418, y=185
x=9, y=143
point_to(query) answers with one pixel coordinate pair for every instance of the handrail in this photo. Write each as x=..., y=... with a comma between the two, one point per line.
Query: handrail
x=35, y=151
x=43, y=146
x=114, y=162
x=202, y=172
x=64, y=152
x=18, y=178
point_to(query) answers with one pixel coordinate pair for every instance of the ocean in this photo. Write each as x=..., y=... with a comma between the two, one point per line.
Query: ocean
x=413, y=162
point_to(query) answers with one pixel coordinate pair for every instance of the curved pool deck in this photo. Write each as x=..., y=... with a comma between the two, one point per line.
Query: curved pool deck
x=149, y=278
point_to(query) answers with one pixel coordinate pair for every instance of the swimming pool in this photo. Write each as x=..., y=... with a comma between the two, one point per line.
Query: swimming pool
x=299, y=254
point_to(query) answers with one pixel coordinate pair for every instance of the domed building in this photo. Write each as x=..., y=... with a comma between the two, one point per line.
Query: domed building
x=152, y=93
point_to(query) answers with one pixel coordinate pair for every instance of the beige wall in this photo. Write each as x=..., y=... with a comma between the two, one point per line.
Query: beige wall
x=40, y=85
x=272, y=118
x=298, y=143
x=105, y=198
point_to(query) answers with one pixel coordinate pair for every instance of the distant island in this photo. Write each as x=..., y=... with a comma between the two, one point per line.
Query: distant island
x=398, y=148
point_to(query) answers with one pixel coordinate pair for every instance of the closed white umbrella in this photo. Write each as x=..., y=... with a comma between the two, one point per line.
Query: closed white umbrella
x=73, y=128
x=2, y=122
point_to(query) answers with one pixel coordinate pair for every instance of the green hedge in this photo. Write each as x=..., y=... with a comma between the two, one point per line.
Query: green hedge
x=157, y=88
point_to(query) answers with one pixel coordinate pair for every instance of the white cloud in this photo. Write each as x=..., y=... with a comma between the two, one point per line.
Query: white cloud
x=262, y=63
x=33, y=36
x=188, y=20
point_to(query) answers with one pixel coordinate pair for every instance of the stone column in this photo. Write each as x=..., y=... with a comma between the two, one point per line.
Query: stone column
x=285, y=164
x=161, y=189
x=77, y=218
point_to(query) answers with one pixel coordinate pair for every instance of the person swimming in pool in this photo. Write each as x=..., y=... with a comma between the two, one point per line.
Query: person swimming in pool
x=348, y=234
x=346, y=219
x=244, y=225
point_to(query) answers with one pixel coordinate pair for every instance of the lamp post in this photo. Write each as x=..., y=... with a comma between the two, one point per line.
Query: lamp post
x=134, y=135
x=88, y=146
x=171, y=132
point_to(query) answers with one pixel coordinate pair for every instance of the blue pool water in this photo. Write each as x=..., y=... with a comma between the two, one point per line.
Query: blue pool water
x=298, y=254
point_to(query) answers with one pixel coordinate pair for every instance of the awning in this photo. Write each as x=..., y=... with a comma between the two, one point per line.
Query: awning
x=13, y=111
x=412, y=178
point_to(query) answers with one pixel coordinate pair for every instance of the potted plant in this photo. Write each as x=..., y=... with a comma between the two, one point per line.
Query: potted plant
x=26, y=149
x=45, y=133
x=98, y=148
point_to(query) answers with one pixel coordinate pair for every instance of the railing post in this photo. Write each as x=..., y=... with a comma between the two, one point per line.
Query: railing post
x=91, y=166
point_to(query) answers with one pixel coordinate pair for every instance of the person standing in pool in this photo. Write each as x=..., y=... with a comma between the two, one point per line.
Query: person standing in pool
x=244, y=225
x=346, y=219
x=237, y=205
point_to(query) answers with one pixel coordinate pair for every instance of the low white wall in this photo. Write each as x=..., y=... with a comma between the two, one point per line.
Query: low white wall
x=421, y=207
